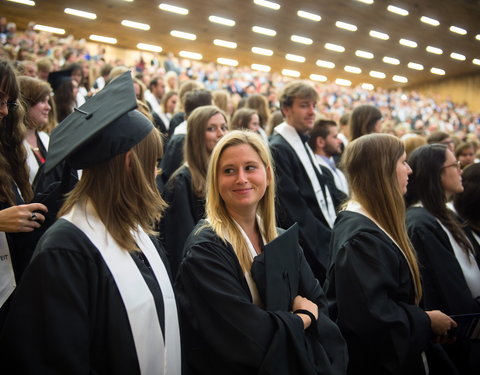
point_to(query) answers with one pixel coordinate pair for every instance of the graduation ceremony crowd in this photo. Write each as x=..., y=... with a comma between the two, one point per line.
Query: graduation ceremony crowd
x=176, y=217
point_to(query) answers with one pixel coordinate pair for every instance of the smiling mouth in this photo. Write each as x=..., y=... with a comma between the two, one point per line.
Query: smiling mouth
x=242, y=191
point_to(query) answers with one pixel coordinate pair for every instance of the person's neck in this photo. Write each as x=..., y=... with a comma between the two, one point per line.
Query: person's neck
x=31, y=137
x=321, y=152
x=246, y=220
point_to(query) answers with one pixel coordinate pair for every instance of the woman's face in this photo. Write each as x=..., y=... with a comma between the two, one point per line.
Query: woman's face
x=451, y=175
x=3, y=106
x=467, y=157
x=403, y=171
x=38, y=114
x=171, y=104
x=254, y=123
x=216, y=129
x=242, y=179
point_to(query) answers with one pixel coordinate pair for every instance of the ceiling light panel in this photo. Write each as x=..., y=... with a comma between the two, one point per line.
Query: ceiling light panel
x=343, y=82
x=429, y=21
x=135, y=25
x=477, y=36
x=264, y=31
x=80, y=13
x=260, y=67
x=262, y=51
x=457, y=56
x=346, y=26
x=295, y=58
x=221, y=21
x=364, y=54
x=367, y=86
x=301, y=39
x=49, y=29
x=267, y=4
x=225, y=61
x=190, y=55
x=334, y=47
x=376, y=74
x=173, y=9
x=318, y=78
x=183, y=35
x=103, y=39
x=400, y=79
x=309, y=16
x=476, y=61
x=369, y=2
x=224, y=43
x=325, y=64
x=291, y=73
x=415, y=66
x=391, y=60
x=378, y=35
x=434, y=50
x=352, y=69
x=458, y=30
x=437, y=71
x=408, y=43
x=149, y=47
x=24, y=2
x=397, y=10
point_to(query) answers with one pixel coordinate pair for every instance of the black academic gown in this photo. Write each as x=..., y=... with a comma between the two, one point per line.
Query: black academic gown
x=67, y=316
x=444, y=286
x=173, y=156
x=184, y=211
x=223, y=332
x=296, y=202
x=371, y=296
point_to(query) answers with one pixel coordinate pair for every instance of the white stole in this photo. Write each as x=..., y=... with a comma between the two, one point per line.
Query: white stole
x=181, y=128
x=154, y=355
x=165, y=119
x=31, y=159
x=325, y=203
x=7, y=277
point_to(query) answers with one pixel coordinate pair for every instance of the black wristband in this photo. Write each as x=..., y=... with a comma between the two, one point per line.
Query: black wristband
x=306, y=312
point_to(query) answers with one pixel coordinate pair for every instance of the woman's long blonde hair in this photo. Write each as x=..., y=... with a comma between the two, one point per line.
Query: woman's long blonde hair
x=132, y=198
x=216, y=212
x=370, y=164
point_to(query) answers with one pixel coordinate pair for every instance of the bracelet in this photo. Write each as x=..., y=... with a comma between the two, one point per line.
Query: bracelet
x=306, y=312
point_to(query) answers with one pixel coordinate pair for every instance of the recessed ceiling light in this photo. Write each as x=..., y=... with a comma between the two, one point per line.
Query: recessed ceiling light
x=397, y=10
x=262, y=51
x=135, y=25
x=301, y=39
x=434, y=50
x=457, y=56
x=295, y=58
x=318, y=77
x=190, y=55
x=391, y=60
x=225, y=43
x=49, y=29
x=80, y=13
x=343, y=82
x=400, y=79
x=325, y=64
x=364, y=54
x=369, y=2
x=149, y=47
x=334, y=47
x=476, y=61
x=408, y=43
x=221, y=21
x=291, y=73
x=103, y=39
x=346, y=26
x=264, y=31
x=267, y=4
x=378, y=35
x=24, y=2
x=458, y=30
x=367, y=86
x=309, y=16
x=352, y=69
x=225, y=61
x=260, y=67
x=173, y=9
x=438, y=71
x=376, y=74
x=415, y=66
x=477, y=36
x=429, y=20
x=183, y=35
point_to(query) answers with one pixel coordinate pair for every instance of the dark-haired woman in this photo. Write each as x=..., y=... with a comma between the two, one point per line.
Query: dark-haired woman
x=449, y=262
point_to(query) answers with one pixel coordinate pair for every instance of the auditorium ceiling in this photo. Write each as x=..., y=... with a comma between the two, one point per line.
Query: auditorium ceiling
x=362, y=58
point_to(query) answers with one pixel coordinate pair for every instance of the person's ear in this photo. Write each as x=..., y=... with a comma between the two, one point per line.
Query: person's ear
x=128, y=160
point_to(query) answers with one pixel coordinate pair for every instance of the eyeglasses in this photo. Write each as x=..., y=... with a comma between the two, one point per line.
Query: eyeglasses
x=12, y=106
x=457, y=165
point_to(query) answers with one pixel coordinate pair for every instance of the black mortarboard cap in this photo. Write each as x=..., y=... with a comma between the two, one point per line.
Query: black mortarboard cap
x=57, y=78
x=277, y=274
x=102, y=128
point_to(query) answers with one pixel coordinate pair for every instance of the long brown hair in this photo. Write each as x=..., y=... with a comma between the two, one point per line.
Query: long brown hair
x=370, y=166
x=216, y=212
x=132, y=198
x=13, y=156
